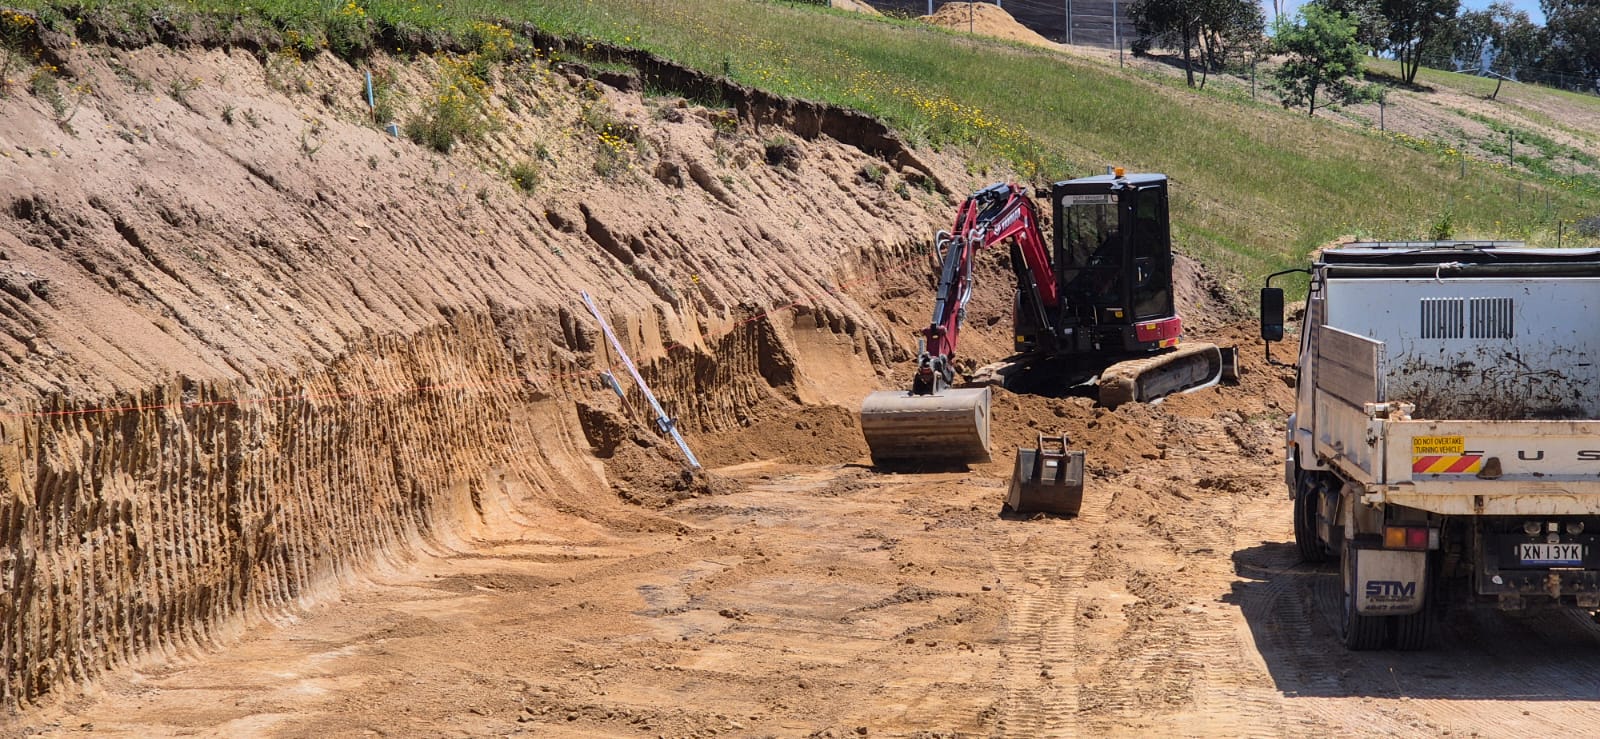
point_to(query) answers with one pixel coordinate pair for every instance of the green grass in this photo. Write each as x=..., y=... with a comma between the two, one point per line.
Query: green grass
x=1484, y=86
x=1255, y=187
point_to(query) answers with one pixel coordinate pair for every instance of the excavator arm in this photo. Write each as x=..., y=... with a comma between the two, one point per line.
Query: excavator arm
x=933, y=421
x=996, y=214
x=1099, y=299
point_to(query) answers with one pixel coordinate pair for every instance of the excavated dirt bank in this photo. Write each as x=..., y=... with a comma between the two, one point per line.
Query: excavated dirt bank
x=253, y=344
x=305, y=433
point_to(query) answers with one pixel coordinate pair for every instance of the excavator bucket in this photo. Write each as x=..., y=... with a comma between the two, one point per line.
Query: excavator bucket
x=1188, y=367
x=1047, y=479
x=951, y=427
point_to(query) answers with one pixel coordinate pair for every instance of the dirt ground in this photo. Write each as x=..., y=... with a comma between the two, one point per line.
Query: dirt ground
x=578, y=583
x=806, y=593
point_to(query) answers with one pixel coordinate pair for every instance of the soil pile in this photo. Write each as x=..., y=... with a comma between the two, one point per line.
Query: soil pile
x=987, y=19
x=811, y=435
x=858, y=6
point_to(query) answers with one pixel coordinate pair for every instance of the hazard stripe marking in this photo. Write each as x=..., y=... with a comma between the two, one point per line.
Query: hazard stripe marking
x=1447, y=464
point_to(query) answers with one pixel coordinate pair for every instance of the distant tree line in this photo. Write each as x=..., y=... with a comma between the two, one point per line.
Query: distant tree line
x=1212, y=35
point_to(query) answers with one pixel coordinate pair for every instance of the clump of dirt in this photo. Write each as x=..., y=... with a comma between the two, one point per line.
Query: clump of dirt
x=657, y=476
x=1113, y=439
x=606, y=429
x=809, y=435
x=987, y=19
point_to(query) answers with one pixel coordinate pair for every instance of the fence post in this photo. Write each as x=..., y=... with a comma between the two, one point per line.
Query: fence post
x=1116, y=31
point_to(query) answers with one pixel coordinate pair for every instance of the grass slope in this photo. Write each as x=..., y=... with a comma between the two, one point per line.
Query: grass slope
x=1255, y=187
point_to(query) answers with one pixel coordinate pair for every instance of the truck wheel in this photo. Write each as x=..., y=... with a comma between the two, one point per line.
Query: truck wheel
x=1358, y=632
x=1415, y=631
x=1306, y=493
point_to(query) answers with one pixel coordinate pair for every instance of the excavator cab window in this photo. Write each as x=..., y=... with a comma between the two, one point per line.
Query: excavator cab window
x=1152, y=255
x=1092, y=246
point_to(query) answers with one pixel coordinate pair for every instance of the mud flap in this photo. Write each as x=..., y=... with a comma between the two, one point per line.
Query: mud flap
x=1388, y=582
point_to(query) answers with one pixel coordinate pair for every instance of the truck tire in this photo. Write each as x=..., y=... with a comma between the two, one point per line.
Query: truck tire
x=1358, y=632
x=1308, y=489
x=1415, y=631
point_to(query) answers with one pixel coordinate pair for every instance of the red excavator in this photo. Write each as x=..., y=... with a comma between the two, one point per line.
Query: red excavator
x=1098, y=300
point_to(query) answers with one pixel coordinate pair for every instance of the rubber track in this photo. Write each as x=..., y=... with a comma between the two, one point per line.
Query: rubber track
x=1134, y=380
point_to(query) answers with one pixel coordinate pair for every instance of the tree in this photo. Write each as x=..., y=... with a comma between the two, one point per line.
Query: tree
x=1211, y=28
x=1372, y=29
x=1322, y=55
x=1517, y=40
x=1462, y=42
x=1574, y=38
x=1412, y=23
x=1233, y=31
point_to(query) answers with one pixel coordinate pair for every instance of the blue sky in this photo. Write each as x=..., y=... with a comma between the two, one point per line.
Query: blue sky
x=1531, y=7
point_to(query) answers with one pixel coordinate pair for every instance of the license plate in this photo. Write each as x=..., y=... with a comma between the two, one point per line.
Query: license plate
x=1551, y=554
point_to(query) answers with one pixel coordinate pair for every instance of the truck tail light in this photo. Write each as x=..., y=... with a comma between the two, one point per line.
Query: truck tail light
x=1409, y=537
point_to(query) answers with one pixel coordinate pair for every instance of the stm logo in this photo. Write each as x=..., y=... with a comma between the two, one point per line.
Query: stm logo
x=1385, y=589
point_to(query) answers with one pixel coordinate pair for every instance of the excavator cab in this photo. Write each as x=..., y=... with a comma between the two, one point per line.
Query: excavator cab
x=1113, y=260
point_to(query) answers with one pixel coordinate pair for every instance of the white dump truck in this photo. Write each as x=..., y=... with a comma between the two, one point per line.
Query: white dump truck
x=1445, y=444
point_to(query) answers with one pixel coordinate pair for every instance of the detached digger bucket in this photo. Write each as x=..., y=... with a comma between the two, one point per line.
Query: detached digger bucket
x=1047, y=479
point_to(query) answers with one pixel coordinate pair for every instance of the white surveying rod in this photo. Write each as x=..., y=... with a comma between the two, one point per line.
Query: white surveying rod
x=666, y=424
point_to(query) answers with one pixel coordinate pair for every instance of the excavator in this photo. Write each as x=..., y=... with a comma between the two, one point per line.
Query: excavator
x=1096, y=301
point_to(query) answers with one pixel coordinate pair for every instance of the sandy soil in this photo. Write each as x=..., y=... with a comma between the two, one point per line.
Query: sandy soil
x=858, y=6
x=562, y=575
x=988, y=20
x=826, y=598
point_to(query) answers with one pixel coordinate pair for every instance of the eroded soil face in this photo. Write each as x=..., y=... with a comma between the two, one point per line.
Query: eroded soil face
x=802, y=592
x=405, y=328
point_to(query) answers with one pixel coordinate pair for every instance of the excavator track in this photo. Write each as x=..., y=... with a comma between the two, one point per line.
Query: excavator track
x=1188, y=367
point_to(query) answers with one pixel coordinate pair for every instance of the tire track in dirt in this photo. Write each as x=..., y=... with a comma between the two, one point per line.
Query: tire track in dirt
x=1041, y=686
x=1231, y=697
x=1484, y=668
x=1042, y=574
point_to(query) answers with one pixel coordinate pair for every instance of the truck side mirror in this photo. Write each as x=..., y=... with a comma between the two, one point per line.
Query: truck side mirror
x=1272, y=314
